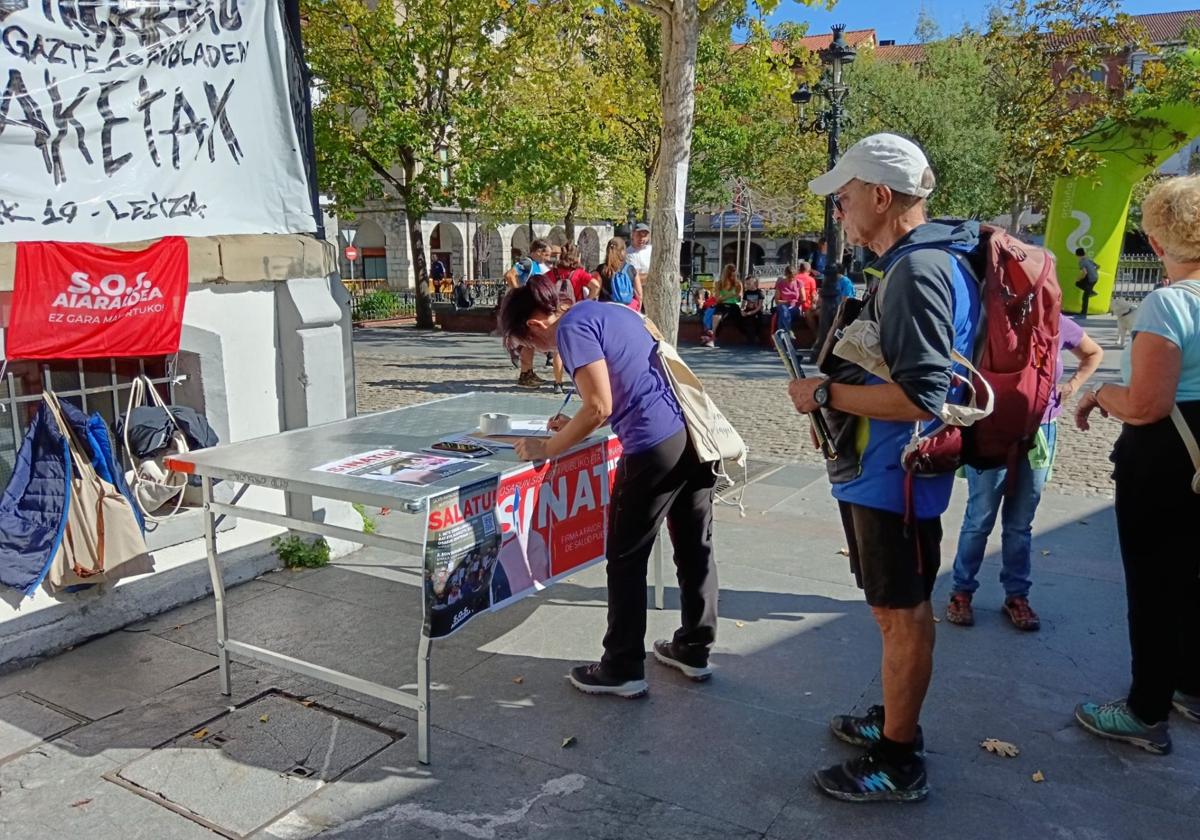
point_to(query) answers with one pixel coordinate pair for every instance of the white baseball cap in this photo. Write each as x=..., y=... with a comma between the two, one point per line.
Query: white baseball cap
x=886, y=159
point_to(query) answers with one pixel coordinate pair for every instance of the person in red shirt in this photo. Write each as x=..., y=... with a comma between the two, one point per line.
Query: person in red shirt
x=812, y=296
x=572, y=282
x=789, y=299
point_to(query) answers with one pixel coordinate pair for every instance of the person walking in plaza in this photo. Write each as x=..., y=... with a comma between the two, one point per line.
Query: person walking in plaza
x=989, y=491
x=1089, y=275
x=571, y=283
x=611, y=356
x=520, y=274
x=879, y=190
x=1157, y=472
x=618, y=281
x=639, y=253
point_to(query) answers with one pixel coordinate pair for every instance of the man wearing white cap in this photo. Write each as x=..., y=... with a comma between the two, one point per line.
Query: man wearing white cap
x=926, y=306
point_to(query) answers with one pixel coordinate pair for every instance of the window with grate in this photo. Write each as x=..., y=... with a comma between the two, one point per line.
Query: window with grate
x=93, y=385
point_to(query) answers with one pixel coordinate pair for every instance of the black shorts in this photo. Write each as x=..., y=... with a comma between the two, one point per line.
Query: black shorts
x=895, y=566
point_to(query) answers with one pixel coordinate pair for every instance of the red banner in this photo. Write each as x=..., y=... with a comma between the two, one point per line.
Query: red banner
x=80, y=301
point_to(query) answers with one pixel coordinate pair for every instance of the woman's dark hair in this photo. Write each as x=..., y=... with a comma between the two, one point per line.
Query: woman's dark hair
x=537, y=297
x=539, y=245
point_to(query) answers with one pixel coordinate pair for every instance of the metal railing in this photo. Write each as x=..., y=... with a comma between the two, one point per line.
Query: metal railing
x=100, y=385
x=1137, y=276
x=374, y=300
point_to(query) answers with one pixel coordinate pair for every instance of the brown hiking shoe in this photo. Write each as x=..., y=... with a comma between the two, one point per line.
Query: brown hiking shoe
x=1021, y=614
x=529, y=379
x=959, y=610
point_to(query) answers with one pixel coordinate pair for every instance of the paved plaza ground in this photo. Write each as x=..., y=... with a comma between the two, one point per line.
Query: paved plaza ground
x=94, y=740
x=402, y=366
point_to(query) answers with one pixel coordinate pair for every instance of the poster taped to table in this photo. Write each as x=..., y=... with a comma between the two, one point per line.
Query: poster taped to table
x=398, y=466
x=517, y=534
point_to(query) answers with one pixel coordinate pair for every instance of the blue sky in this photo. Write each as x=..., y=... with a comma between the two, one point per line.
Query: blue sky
x=895, y=19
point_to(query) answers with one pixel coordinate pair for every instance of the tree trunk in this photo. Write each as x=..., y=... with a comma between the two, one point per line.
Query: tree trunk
x=647, y=183
x=421, y=271
x=569, y=219
x=1016, y=211
x=680, y=35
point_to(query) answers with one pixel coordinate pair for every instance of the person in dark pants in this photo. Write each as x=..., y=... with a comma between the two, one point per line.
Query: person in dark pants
x=1089, y=275
x=609, y=353
x=1158, y=483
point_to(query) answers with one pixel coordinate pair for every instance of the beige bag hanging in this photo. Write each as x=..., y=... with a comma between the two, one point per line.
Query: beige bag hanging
x=152, y=484
x=712, y=435
x=102, y=532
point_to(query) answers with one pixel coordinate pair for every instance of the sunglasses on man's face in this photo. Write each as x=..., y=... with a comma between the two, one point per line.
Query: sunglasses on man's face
x=837, y=202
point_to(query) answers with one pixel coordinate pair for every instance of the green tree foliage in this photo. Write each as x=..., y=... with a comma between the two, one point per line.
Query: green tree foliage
x=945, y=104
x=403, y=84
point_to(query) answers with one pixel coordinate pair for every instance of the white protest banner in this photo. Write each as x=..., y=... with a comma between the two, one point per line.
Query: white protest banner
x=123, y=120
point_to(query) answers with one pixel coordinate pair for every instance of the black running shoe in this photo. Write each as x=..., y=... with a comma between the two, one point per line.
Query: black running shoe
x=693, y=665
x=871, y=778
x=594, y=679
x=866, y=731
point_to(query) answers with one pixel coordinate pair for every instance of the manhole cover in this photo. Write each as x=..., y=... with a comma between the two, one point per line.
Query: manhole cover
x=253, y=765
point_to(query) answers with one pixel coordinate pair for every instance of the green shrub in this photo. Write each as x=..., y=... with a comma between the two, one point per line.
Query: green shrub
x=296, y=553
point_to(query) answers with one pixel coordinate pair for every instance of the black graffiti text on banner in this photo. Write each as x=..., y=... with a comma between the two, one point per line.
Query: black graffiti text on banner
x=138, y=117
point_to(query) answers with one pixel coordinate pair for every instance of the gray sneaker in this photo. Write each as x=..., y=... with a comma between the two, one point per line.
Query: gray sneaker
x=1115, y=720
x=1187, y=705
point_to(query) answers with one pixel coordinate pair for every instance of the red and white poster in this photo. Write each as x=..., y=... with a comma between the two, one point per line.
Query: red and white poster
x=552, y=519
x=80, y=301
x=492, y=543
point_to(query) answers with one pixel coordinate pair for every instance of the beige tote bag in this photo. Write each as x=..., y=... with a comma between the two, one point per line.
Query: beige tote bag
x=102, y=533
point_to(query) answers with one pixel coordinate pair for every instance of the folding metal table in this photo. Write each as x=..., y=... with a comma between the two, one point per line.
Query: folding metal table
x=286, y=462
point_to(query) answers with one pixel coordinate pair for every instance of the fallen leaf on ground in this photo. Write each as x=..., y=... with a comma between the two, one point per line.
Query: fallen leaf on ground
x=264, y=718
x=307, y=703
x=1045, y=553
x=740, y=624
x=1003, y=748
x=518, y=680
x=384, y=511
x=1038, y=776
x=569, y=741
x=936, y=620
x=80, y=803
x=845, y=552
x=200, y=735
x=1083, y=522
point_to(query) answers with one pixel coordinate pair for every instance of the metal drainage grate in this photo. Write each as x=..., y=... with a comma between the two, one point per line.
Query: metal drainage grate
x=249, y=767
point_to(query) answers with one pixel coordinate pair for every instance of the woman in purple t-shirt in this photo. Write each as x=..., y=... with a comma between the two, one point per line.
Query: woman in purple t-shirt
x=611, y=356
x=987, y=490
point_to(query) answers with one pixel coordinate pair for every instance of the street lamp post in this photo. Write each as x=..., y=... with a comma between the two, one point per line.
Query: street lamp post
x=833, y=90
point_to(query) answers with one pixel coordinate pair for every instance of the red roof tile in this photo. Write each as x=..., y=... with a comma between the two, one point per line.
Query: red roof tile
x=900, y=53
x=1167, y=27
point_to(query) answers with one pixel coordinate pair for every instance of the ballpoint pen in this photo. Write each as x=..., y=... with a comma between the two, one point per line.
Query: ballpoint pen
x=566, y=399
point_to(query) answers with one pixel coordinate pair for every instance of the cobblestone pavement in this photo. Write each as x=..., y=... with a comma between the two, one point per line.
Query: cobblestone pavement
x=402, y=366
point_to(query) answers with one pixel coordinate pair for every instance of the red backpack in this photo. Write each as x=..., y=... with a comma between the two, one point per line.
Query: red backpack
x=1016, y=353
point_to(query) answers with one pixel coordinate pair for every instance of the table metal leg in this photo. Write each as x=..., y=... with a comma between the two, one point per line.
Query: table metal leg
x=218, y=584
x=423, y=699
x=658, y=570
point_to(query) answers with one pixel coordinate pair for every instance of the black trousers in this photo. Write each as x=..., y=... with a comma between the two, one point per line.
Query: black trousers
x=1156, y=511
x=670, y=482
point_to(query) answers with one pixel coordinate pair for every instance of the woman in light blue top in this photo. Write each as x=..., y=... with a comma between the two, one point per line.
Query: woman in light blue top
x=1155, y=504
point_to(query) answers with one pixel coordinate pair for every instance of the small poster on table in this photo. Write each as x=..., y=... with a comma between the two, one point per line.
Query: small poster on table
x=398, y=466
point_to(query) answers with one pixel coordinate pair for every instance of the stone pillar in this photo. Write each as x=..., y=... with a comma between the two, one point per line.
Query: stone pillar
x=317, y=378
x=399, y=249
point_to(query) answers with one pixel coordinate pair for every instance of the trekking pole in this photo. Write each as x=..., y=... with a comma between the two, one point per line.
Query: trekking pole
x=791, y=362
